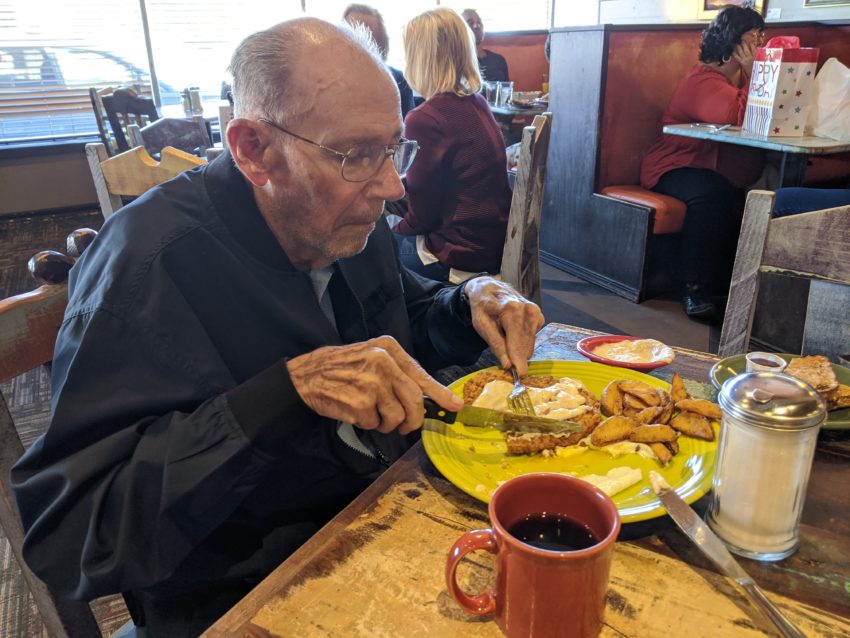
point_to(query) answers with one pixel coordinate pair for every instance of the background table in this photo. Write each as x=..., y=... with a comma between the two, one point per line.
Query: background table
x=377, y=568
x=512, y=120
x=793, y=150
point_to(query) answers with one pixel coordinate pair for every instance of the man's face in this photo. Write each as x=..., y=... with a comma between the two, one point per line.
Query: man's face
x=476, y=25
x=315, y=214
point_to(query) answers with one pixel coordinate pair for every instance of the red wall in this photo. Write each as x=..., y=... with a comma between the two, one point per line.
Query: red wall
x=524, y=55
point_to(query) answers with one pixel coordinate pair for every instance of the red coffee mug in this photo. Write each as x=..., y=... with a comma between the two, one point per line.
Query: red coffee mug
x=542, y=593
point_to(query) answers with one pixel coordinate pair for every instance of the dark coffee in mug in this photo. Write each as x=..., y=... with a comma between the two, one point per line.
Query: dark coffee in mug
x=553, y=533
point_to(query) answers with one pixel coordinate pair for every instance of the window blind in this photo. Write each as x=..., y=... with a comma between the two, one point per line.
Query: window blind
x=53, y=51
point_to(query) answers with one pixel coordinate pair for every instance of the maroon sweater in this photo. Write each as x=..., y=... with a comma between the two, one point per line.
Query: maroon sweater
x=458, y=184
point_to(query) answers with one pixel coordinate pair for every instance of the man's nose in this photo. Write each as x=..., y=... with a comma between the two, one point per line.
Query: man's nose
x=387, y=183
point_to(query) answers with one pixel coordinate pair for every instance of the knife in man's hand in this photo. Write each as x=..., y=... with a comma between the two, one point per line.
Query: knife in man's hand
x=474, y=416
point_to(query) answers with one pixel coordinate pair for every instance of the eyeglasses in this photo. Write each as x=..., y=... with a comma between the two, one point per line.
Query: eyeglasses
x=362, y=163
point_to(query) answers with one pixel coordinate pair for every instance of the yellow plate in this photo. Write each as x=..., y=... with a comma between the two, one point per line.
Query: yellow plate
x=475, y=459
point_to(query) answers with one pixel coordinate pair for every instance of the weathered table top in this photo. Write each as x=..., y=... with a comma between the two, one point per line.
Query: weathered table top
x=808, y=144
x=377, y=568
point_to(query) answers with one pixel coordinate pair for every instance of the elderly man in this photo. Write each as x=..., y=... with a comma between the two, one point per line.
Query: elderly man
x=239, y=355
x=494, y=67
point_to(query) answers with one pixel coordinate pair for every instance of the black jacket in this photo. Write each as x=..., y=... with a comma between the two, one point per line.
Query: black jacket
x=179, y=455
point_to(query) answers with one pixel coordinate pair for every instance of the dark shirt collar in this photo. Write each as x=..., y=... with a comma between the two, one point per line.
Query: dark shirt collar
x=231, y=195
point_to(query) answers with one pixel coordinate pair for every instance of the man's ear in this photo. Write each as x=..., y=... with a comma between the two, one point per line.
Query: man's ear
x=248, y=141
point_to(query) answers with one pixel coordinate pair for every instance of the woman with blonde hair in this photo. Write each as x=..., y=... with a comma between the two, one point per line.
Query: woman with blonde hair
x=459, y=198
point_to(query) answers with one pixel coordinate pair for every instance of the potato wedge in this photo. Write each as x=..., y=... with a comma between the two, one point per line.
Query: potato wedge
x=666, y=413
x=677, y=389
x=649, y=415
x=700, y=406
x=633, y=401
x=613, y=429
x=655, y=433
x=612, y=399
x=692, y=424
x=673, y=446
x=664, y=455
x=643, y=392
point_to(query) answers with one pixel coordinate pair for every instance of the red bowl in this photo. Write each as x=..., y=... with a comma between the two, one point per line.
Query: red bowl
x=586, y=345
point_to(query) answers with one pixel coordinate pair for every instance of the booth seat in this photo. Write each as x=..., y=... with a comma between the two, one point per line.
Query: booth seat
x=610, y=85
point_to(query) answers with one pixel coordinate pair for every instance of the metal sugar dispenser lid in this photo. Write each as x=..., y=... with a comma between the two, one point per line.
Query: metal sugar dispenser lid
x=772, y=400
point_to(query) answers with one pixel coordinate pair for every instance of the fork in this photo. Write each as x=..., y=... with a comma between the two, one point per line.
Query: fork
x=518, y=399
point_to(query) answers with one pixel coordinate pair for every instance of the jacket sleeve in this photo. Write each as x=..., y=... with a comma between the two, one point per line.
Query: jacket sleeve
x=127, y=482
x=425, y=176
x=441, y=324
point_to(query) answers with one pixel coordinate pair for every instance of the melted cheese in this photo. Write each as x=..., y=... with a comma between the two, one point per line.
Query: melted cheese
x=640, y=351
x=615, y=481
x=562, y=400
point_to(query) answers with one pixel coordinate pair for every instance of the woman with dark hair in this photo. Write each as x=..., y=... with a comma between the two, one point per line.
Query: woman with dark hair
x=714, y=91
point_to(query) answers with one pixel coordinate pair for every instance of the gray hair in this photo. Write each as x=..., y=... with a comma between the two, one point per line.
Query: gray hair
x=264, y=63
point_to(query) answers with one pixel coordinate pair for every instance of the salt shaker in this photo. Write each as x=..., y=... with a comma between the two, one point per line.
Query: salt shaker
x=767, y=440
x=187, y=103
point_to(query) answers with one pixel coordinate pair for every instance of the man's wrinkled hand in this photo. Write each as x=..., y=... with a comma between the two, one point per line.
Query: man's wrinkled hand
x=374, y=385
x=506, y=320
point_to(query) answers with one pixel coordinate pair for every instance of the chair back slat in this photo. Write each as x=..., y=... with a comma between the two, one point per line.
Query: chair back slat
x=189, y=135
x=133, y=172
x=124, y=107
x=521, y=255
x=811, y=245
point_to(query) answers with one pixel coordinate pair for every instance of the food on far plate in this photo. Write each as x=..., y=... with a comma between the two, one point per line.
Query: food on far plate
x=638, y=418
x=816, y=370
x=636, y=351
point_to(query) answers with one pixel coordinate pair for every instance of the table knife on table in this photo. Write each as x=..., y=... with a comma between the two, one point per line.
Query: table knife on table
x=707, y=541
x=474, y=416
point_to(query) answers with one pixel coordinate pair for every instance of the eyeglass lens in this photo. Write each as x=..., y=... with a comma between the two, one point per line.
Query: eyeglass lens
x=363, y=163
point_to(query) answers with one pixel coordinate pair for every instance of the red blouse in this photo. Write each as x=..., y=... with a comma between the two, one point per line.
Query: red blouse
x=703, y=95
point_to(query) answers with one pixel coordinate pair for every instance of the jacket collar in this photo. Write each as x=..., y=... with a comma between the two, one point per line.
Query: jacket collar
x=231, y=195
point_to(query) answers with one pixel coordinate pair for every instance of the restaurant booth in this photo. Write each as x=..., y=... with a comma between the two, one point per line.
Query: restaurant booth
x=609, y=87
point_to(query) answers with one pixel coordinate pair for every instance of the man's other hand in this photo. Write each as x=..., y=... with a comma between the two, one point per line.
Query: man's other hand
x=505, y=320
x=374, y=385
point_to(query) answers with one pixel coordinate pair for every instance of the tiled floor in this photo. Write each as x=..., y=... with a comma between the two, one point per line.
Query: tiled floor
x=567, y=299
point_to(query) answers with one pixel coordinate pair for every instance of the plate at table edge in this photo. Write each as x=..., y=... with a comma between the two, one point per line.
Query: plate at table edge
x=585, y=347
x=735, y=365
x=475, y=459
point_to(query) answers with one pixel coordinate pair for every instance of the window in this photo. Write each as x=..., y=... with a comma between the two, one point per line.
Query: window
x=53, y=51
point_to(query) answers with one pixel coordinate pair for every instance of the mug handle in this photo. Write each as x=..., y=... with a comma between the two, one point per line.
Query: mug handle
x=471, y=541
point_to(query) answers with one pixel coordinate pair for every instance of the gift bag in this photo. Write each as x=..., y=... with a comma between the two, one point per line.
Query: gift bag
x=829, y=115
x=781, y=86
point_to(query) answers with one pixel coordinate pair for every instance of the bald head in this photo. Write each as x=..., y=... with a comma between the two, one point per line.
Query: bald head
x=271, y=68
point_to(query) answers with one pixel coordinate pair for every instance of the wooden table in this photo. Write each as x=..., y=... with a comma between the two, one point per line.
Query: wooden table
x=376, y=570
x=793, y=150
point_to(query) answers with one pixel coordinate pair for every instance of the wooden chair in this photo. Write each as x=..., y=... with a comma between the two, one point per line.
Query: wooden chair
x=29, y=324
x=100, y=116
x=521, y=254
x=189, y=135
x=133, y=172
x=811, y=245
x=124, y=107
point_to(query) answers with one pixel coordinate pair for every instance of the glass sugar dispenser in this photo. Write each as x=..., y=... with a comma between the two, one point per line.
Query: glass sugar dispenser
x=768, y=435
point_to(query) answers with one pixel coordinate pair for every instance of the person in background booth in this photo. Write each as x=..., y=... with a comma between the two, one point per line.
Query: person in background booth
x=242, y=353
x=458, y=192
x=714, y=91
x=494, y=67
x=792, y=201
x=372, y=19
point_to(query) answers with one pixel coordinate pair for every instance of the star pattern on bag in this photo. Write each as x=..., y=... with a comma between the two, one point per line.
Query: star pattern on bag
x=797, y=110
x=776, y=130
x=784, y=91
x=782, y=106
x=790, y=69
x=799, y=93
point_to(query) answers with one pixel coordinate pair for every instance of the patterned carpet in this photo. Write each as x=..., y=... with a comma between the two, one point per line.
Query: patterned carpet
x=28, y=397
